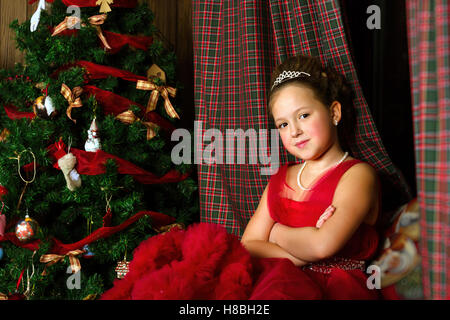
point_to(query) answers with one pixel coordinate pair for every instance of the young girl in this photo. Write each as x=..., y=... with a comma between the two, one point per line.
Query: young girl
x=313, y=231
x=320, y=214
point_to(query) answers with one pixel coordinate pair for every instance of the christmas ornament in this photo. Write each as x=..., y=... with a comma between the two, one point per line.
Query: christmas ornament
x=26, y=229
x=34, y=22
x=3, y=191
x=93, y=142
x=43, y=107
x=67, y=165
x=155, y=72
x=122, y=268
x=89, y=253
x=1, y=253
x=104, y=5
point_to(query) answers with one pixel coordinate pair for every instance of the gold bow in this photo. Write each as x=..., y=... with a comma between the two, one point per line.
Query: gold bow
x=156, y=91
x=51, y=259
x=128, y=117
x=73, y=97
x=95, y=21
x=5, y=133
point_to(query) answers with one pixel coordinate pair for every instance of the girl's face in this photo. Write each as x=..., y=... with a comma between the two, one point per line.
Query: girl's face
x=305, y=124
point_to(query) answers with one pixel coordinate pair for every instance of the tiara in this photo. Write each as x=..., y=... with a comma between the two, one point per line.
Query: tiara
x=288, y=75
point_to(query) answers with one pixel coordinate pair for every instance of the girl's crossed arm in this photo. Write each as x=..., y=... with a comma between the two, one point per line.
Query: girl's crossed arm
x=256, y=235
x=354, y=198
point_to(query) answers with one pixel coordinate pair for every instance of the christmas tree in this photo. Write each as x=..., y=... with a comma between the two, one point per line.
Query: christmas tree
x=85, y=167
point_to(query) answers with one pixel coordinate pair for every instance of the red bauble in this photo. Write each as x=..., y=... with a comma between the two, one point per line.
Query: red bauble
x=26, y=229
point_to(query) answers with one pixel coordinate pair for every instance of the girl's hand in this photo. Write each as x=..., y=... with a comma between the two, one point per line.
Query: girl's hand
x=325, y=215
x=297, y=262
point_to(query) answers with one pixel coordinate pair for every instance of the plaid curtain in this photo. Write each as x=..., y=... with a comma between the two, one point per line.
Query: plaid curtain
x=429, y=54
x=237, y=43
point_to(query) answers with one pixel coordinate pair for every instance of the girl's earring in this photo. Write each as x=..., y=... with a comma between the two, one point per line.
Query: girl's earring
x=335, y=122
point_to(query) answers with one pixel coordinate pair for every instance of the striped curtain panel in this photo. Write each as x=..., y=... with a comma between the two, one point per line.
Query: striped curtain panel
x=429, y=54
x=237, y=43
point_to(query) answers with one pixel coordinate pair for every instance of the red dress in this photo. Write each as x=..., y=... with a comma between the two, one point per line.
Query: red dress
x=206, y=262
x=340, y=277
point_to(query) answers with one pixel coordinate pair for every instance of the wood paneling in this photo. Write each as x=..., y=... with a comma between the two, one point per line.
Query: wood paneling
x=9, y=11
x=172, y=18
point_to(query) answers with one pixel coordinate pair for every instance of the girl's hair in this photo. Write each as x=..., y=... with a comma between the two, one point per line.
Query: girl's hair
x=327, y=84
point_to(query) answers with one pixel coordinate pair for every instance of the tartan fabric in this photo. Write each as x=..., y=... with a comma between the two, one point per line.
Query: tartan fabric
x=428, y=45
x=236, y=46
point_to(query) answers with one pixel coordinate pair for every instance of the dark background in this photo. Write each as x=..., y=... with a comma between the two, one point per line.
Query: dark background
x=381, y=61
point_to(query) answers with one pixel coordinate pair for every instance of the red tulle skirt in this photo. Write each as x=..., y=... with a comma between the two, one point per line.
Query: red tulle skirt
x=205, y=262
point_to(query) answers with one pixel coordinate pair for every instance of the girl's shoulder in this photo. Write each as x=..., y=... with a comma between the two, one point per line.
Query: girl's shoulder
x=358, y=168
x=360, y=183
x=359, y=175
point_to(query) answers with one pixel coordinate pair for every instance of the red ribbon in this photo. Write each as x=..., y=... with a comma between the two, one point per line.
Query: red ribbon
x=14, y=114
x=96, y=71
x=11, y=237
x=93, y=163
x=116, y=40
x=115, y=104
x=157, y=220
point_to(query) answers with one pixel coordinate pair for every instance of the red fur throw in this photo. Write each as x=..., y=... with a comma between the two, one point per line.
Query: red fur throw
x=203, y=262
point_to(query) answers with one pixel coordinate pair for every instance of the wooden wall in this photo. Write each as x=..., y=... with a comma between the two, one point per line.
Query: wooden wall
x=172, y=17
x=10, y=10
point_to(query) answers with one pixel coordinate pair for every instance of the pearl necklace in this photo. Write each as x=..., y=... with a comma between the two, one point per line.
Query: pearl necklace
x=303, y=167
